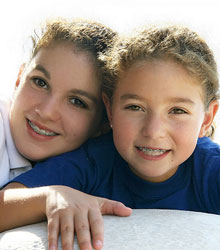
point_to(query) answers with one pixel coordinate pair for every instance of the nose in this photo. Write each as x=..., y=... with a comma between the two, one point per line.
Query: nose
x=48, y=109
x=154, y=126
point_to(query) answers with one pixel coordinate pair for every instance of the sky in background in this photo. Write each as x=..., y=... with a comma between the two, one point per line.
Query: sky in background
x=18, y=17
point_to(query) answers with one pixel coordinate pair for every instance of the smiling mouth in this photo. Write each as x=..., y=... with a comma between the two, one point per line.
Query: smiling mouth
x=40, y=131
x=152, y=152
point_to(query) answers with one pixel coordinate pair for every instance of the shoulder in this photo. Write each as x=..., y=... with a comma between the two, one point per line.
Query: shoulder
x=206, y=161
x=206, y=156
x=206, y=169
x=206, y=148
x=83, y=169
x=77, y=168
x=98, y=149
x=96, y=157
x=101, y=150
x=102, y=144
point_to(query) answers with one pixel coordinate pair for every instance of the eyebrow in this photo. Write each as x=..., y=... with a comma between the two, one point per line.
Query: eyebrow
x=181, y=100
x=85, y=94
x=43, y=70
x=131, y=96
x=172, y=99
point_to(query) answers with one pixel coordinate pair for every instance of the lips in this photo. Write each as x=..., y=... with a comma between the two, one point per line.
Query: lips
x=152, y=154
x=41, y=131
x=151, y=151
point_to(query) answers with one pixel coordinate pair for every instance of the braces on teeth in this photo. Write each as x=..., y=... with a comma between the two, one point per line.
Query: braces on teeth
x=150, y=151
x=40, y=131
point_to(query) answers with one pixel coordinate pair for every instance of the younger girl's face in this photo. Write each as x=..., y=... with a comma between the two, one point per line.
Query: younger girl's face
x=57, y=103
x=157, y=115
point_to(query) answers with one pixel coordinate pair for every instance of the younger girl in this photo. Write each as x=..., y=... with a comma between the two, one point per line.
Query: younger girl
x=160, y=105
x=57, y=101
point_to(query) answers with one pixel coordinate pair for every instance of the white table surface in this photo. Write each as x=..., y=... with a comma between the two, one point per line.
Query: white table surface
x=145, y=229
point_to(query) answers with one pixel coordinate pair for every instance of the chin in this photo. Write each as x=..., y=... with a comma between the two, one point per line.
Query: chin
x=34, y=157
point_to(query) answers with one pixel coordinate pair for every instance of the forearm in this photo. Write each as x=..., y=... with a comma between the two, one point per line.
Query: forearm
x=22, y=206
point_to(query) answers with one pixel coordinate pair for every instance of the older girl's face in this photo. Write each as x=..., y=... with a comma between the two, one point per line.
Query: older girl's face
x=157, y=115
x=57, y=103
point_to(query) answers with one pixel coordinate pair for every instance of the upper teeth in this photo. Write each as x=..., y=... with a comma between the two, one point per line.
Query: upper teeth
x=41, y=131
x=153, y=152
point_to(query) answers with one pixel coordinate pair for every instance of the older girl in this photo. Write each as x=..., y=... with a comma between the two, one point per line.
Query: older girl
x=57, y=102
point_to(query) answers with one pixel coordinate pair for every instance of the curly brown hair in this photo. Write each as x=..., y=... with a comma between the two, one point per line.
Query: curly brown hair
x=176, y=43
x=85, y=35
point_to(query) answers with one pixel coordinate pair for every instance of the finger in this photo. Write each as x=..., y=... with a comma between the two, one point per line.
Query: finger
x=96, y=227
x=53, y=232
x=83, y=230
x=67, y=231
x=114, y=207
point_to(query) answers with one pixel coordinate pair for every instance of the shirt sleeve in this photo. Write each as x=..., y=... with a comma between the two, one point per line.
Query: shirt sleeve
x=4, y=160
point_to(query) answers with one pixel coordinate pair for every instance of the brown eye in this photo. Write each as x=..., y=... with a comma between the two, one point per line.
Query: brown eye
x=178, y=111
x=40, y=83
x=134, y=108
x=77, y=102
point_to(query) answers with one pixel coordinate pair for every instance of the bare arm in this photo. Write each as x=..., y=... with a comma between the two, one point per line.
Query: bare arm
x=21, y=206
x=66, y=209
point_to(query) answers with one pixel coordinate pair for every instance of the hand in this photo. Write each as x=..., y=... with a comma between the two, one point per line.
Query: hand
x=70, y=210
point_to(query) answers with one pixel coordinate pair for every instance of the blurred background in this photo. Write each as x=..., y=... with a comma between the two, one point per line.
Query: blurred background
x=18, y=18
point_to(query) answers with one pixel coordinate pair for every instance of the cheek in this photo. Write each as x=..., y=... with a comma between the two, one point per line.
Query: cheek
x=185, y=138
x=16, y=111
x=23, y=98
x=80, y=125
x=187, y=130
x=123, y=132
x=74, y=123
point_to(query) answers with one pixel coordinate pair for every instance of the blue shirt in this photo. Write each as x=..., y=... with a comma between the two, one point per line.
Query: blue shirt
x=96, y=168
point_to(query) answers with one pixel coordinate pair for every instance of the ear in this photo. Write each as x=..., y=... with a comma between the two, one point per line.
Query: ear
x=21, y=70
x=108, y=107
x=209, y=117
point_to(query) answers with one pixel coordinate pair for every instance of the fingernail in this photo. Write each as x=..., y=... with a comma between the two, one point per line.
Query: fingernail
x=52, y=248
x=98, y=243
x=121, y=204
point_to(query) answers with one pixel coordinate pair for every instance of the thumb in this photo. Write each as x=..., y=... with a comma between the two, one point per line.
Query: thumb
x=114, y=208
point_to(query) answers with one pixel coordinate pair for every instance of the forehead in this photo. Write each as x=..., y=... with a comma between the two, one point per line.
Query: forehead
x=61, y=65
x=164, y=76
x=62, y=55
x=72, y=47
